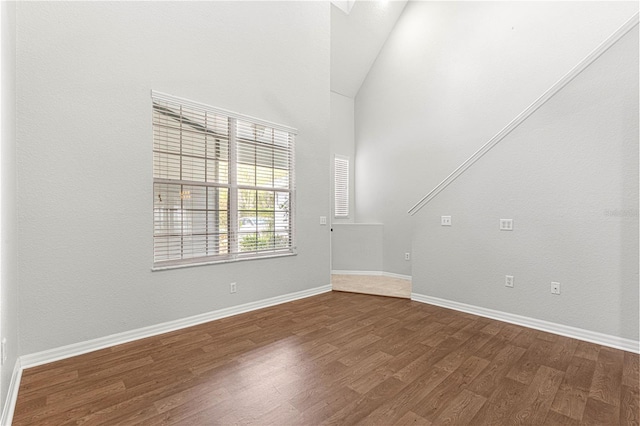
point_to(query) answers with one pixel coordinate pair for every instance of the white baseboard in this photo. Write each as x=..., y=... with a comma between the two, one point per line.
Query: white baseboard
x=550, y=327
x=373, y=273
x=12, y=395
x=56, y=354
x=80, y=348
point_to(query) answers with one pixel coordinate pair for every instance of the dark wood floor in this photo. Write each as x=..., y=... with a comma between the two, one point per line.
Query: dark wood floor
x=340, y=358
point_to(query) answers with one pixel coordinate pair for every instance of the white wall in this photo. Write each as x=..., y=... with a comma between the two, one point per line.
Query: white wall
x=343, y=143
x=568, y=177
x=356, y=39
x=357, y=247
x=451, y=75
x=9, y=277
x=84, y=75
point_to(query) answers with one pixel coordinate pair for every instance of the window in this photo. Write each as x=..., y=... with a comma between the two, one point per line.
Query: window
x=341, y=186
x=223, y=185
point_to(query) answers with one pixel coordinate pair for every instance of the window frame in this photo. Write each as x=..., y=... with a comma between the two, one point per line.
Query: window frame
x=282, y=139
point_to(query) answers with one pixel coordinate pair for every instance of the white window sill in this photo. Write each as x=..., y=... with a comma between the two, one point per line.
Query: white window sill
x=238, y=258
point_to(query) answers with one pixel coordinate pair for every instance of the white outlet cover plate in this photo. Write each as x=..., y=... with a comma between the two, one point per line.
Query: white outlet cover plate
x=506, y=224
x=508, y=280
x=445, y=220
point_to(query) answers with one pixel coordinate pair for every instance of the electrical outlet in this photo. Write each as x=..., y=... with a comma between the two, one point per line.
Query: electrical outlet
x=508, y=280
x=407, y=256
x=323, y=220
x=3, y=349
x=445, y=220
x=555, y=288
x=233, y=288
x=506, y=224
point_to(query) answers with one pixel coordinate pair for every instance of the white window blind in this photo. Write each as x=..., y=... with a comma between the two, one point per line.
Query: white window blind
x=341, y=186
x=223, y=184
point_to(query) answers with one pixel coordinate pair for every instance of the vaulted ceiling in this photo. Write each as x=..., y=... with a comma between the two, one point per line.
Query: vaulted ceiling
x=359, y=29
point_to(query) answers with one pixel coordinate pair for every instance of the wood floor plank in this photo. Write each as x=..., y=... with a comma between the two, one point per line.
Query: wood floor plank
x=27, y=407
x=44, y=375
x=525, y=370
x=412, y=369
x=493, y=328
x=436, y=339
x=549, y=337
x=587, y=350
x=487, y=382
x=54, y=383
x=502, y=401
x=630, y=370
x=210, y=389
x=494, y=345
x=339, y=358
x=524, y=339
x=102, y=411
x=410, y=419
x=64, y=408
x=434, y=403
x=455, y=358
x=357, y=410
x=462, y=408
x=600, y=413
x=537, y=400
x=561, y=353
x=573, y=392
x=557, y=419
x=328, y=405
x=510, y=332
x=607, y=377
x=418, y=386
x=629, y=406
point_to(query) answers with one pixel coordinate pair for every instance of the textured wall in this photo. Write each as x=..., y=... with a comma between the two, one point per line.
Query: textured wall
x=451, y=75
x=343, y=143
x=85, y=71
x=356, y=247
x=9, y=279
x=568, y=177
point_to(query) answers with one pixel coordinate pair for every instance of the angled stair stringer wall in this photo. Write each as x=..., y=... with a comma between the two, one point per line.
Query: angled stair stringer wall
x=451, y=74
x=568, y=177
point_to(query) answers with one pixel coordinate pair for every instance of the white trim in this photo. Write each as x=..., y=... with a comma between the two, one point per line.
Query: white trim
x=80, y=348
x=12, y=394
x=373, y=273
x=56, y=354
x=566, y=79
x=235, y=258
x=550, y=327
x=394, y=275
